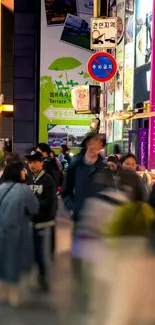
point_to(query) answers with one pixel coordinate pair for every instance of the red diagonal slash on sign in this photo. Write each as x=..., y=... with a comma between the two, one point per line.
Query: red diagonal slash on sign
x=96, y=61
x=108, y=72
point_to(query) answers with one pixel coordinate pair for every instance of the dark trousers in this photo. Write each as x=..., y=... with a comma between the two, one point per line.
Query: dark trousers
x=41, y=249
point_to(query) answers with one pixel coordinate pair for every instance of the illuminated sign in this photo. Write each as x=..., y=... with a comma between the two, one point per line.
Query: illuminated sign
x=8, y=3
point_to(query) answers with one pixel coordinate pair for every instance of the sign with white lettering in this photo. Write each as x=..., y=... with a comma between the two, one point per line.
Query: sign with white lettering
x=102, y=67
x=103, y=33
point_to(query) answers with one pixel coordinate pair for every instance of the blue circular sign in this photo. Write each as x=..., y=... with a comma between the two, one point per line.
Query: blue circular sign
x=102, y=66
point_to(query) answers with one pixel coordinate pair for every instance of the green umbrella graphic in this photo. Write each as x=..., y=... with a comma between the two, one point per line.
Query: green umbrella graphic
x=64, y=64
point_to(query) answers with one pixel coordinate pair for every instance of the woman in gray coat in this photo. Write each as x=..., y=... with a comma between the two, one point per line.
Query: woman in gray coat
x=17, y=205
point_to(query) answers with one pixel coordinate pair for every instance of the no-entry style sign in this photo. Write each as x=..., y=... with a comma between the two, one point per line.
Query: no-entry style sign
x=102, y=66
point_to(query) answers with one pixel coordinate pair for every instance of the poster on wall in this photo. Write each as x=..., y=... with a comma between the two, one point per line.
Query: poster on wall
x=128, y=75
x=56, y=10
x=85, y=7
x=110, y=96
x=129, y=56
x=71, y=135
x=76, y=31
x=65, y=51
x=109, y=131
x=119, y=79
x=111, y=83
x=118, y=128
x=143, y=31
x=129, y=6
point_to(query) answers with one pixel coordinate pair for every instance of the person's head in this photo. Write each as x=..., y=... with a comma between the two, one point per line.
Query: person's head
x=130, y=183
x=35, y=161
x=52, y=154
x=14, y=172
x=117, y=150
x=129, y=162
x=44, y=148
x=7, y=145
x=64, y=149
x=93, y=144
x=11, y=157
x=113, y=162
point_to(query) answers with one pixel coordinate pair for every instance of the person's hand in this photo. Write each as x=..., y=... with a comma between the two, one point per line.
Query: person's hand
x=141, y=168
x=25, y=170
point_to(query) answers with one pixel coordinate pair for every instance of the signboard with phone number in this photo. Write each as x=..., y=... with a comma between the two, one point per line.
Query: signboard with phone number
x=103, y=33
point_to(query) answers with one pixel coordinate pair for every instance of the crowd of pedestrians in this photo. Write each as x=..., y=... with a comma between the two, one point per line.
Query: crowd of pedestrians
x=105, y=196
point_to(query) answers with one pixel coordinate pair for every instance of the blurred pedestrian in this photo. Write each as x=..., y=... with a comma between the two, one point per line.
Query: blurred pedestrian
x=9, y=157
x=17, y=206
x=117, y=151
x=86, y=176
x=113, y=163
x=7, y=145
x=50, y=164
x=65, y=154
x=133, y=218
x=89, y=191
x=43, y=186
x=129, y=162
x=53, y=155
x=132, y=291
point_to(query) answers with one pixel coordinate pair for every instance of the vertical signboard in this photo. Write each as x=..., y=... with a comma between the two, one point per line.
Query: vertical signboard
x=128, y=67
x=129, y=56
x=143, y=147
x=111, y=83
x=151, y=157
x=119, y=79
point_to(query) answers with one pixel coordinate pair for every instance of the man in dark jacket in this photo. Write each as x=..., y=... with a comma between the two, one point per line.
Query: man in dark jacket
x=43, y=186
x=86, y=176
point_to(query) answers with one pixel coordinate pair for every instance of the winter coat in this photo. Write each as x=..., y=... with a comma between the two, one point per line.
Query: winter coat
x=16, y=250
x=84, y=181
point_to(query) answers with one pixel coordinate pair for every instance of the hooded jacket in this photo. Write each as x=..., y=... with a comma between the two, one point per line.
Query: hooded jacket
x=43, y=186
